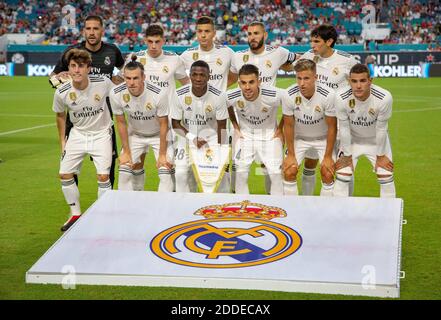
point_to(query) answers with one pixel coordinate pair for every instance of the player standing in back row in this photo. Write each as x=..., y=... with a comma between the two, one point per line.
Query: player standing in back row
x=332, y=71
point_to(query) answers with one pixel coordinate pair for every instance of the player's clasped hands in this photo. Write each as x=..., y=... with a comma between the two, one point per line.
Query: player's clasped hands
x=290, y=166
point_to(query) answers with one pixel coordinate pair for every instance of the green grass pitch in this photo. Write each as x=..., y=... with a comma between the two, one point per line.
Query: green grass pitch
x=32, y=207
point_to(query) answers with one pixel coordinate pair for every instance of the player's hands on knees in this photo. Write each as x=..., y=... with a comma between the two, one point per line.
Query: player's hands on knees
x=290, y=165
x=125, y=158
x=199, y=142
x=162, y=162
x=343, y=162
x=385, y=163
x=328, y=165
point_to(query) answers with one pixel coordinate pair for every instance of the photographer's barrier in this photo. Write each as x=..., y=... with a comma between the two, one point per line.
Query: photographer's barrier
x=328, y=245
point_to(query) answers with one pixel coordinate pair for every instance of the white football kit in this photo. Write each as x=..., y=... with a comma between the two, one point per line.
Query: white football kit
x=310, y=115
x=199, y=115
x=91, y=133
x=258, y=124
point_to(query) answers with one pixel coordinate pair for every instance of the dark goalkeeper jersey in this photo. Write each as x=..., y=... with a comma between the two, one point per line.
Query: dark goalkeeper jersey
x=103, y=60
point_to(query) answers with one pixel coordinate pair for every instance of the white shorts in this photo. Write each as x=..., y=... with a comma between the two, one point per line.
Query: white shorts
x=369, y=150
x=79, y=144
x=140, y=145
x=269, y=152
x=303, y=148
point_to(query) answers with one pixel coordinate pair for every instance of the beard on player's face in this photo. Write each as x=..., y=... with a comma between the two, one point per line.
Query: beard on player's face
x=256, y=45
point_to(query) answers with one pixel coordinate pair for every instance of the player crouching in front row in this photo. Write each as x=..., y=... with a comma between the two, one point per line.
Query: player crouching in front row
x=310, y=124
x=363, y=112
x=85, y=100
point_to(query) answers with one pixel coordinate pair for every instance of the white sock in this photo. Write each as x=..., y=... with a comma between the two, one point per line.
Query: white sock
x=267, y=180
x=290, y=188
x=387, y=187
x=224, y=186
x=138, y=179
x=165, y=180
x=103, y=187
x=125, y=178
x=242, y=183
x=327, y=189
x=181, y=177
x=72, y=195
x=351, y=186
x=341, y=185
x=276, y=184
x=308, y=182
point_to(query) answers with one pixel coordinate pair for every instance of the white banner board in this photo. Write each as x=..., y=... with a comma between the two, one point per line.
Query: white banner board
x=283, y=243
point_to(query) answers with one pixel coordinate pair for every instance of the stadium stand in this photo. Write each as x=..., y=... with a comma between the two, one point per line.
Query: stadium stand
x=412, y=22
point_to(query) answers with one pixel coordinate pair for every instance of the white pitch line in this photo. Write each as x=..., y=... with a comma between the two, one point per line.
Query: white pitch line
x=26, y=129
x=26, y=115
x=419, y=109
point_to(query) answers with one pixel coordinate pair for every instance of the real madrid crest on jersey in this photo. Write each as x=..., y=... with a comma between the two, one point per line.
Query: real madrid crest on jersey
x=107, y=61
x=316, y=59
x=208, y=108
x=246, y=57
x=97, y=98
x=298, y=100
x=195, y=56
x=264, y=109
x=371, y=112
x=230, y=235
x=318, y=109
x=149, y=106
x=219, y=61
x=335, y=71
x=352, y=103
x=268, y=64
x=126, y=97
x=240, y=104
x=188, y=100
x=165, y=69
x=143, y=61
x=73, y=96
x=208, y=155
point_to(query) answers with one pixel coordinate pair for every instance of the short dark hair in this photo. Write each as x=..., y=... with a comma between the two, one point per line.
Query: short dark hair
x=205, y=20
x=326, y=32
x=248, y=69
x=257, y=23
x=96, y=18
x=79, y=56
x=133, y=64
x=200, y=63
x=154, y=30
x=359, y=68
x=304, y=65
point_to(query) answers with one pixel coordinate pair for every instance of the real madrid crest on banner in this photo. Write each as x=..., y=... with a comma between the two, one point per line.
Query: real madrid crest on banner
x=298, y=100
x=352, y=103
x=246, y=57
x=97, y=98
x=126, y=97
x=195, y=56
x=165, y=69
x=230, y=236
x=73, y=96
x=187, y=100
